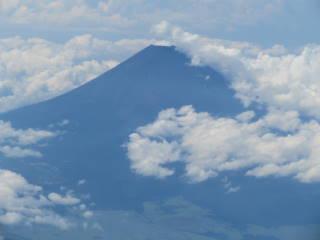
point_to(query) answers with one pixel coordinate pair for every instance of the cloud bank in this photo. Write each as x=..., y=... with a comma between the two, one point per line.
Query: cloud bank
x=278, y=144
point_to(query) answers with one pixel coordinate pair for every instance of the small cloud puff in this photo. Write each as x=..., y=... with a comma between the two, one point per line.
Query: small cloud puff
x=82, y=182
x=227, y=184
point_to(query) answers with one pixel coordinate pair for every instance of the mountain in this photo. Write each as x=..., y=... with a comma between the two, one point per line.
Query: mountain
x=104, y=112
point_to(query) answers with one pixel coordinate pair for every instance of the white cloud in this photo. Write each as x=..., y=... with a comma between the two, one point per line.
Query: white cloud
x=64, y=123
x=18, y=152
x=34, y=69
x=63, y=200
x=22, y=202
x=18, y=143
x=88, y=214
x=273, y=77
x=82, y=182
x=278, y=144
x=227, y=184
x=25, y=203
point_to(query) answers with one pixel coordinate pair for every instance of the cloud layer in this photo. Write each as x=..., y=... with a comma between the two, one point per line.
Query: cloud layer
x=136, y=15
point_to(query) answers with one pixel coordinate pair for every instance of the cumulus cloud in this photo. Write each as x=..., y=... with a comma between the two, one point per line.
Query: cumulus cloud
x=273, y=77
x=25, y=203
x=278, y=144
x=34, y=69
x=22, y=202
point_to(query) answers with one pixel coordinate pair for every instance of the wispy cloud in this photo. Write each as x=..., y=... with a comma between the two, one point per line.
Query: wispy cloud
x=18, y=143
